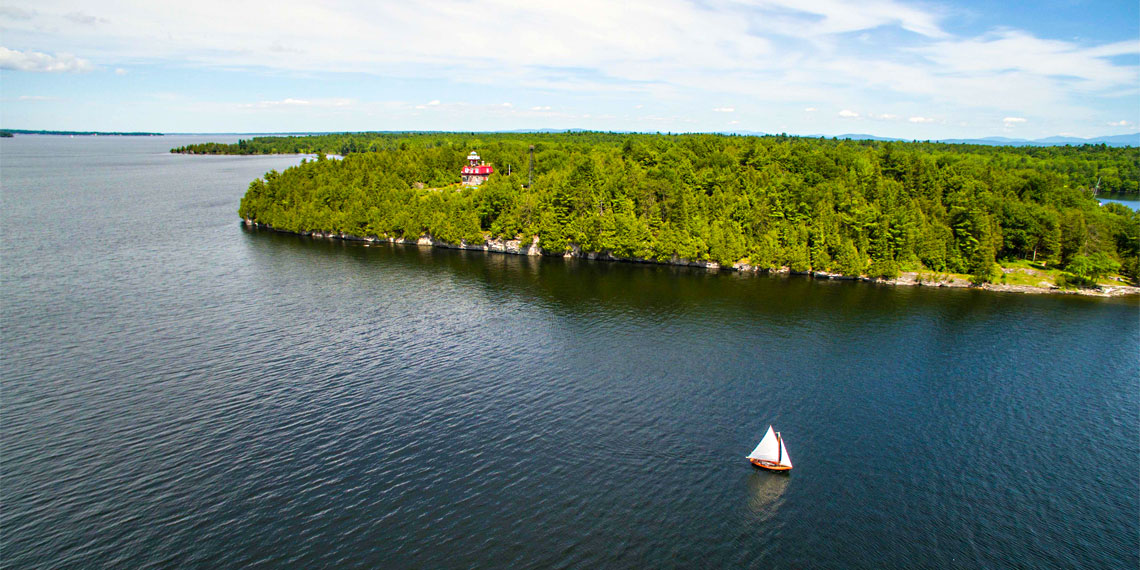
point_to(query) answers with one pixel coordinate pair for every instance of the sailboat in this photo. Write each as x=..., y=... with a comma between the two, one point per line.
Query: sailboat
x=770, y=453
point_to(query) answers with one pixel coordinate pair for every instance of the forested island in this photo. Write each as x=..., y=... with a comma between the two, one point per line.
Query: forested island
x=1019, y=215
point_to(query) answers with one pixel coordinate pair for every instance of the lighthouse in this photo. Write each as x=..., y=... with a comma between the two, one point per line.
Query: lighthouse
x=476, y=171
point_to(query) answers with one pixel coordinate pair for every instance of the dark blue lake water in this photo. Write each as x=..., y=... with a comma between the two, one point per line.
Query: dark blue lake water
x=180, y=392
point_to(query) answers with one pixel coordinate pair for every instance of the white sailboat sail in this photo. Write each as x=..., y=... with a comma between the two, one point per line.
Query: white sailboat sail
x=771, y=448
x=768, y=449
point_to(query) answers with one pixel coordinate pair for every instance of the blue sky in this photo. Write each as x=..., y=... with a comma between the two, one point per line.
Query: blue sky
x=886, y=67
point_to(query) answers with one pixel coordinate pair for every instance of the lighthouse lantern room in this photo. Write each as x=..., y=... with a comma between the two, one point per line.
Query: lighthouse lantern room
x=476, y=171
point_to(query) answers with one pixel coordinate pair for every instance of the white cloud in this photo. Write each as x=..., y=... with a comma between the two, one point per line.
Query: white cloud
x=682, y=52
x=37, y=98
x=37, y=61
x=920, y=120
x=1010, y=121
x=1011, y=52
x=848, y=114
x=808, y=18
x=540, y=108
x=724, y=110
x=635, y=41
x=14, y=13
x=1120, y=123
x=83, y=18
x=295, y=103
x=120, y=71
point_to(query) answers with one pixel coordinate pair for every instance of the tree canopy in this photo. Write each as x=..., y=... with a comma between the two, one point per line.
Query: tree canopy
x=851, y=207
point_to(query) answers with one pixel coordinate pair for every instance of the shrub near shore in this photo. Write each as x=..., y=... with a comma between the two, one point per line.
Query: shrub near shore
x=849, y=207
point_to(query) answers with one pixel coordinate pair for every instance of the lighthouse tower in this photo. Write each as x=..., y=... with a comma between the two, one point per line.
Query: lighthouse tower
x=476, y=171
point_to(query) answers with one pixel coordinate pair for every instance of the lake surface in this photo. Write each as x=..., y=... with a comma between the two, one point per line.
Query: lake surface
x=1130, y=200
x=180, y=391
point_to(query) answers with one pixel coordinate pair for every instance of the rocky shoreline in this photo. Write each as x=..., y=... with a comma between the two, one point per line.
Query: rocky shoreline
x=516, y=247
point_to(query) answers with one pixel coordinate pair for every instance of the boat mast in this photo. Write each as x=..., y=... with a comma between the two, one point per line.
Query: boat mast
x=779, y=449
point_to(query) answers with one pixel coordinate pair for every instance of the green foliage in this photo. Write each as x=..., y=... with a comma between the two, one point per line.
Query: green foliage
x=849, y=262
x=854, y=207
x=982, y=267
x=1084, y=270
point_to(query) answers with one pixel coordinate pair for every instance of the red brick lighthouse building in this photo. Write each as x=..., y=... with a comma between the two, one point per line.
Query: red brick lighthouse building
x=476, y=172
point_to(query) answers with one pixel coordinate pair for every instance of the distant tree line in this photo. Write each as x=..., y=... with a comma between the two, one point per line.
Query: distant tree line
x=1109, y=169
x=79, y=133
x=850, y=207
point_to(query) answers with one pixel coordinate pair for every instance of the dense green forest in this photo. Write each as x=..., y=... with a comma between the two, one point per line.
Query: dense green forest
x=850, y=207
x=1116, y=169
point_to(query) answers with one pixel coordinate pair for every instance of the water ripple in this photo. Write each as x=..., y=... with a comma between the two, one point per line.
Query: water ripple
x=219, y=397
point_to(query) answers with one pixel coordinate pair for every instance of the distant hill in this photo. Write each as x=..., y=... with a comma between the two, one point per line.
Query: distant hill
x=528, y=131
x=864, y=137
x=1114, y=141
x=743, y=133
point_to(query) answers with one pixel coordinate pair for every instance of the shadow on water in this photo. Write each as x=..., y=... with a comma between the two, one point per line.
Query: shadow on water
x=576, y=285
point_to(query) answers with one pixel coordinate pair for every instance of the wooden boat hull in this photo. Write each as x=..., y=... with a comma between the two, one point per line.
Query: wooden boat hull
x=769, y=465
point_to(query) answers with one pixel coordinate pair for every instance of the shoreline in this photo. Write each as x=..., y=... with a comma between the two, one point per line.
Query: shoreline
x=515, y=247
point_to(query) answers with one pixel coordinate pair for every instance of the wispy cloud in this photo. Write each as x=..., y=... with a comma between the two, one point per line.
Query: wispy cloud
x=294, y=103
x=84, y=19
x=42, y=62
x=1010, y=52
x=14, y=13
x=1010, y=121
x=780, y=54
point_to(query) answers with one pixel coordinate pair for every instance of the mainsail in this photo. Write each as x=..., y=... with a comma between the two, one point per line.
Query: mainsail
x=771, y=448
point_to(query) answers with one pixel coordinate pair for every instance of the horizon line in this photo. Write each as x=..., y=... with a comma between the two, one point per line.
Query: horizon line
x=1059, y=140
